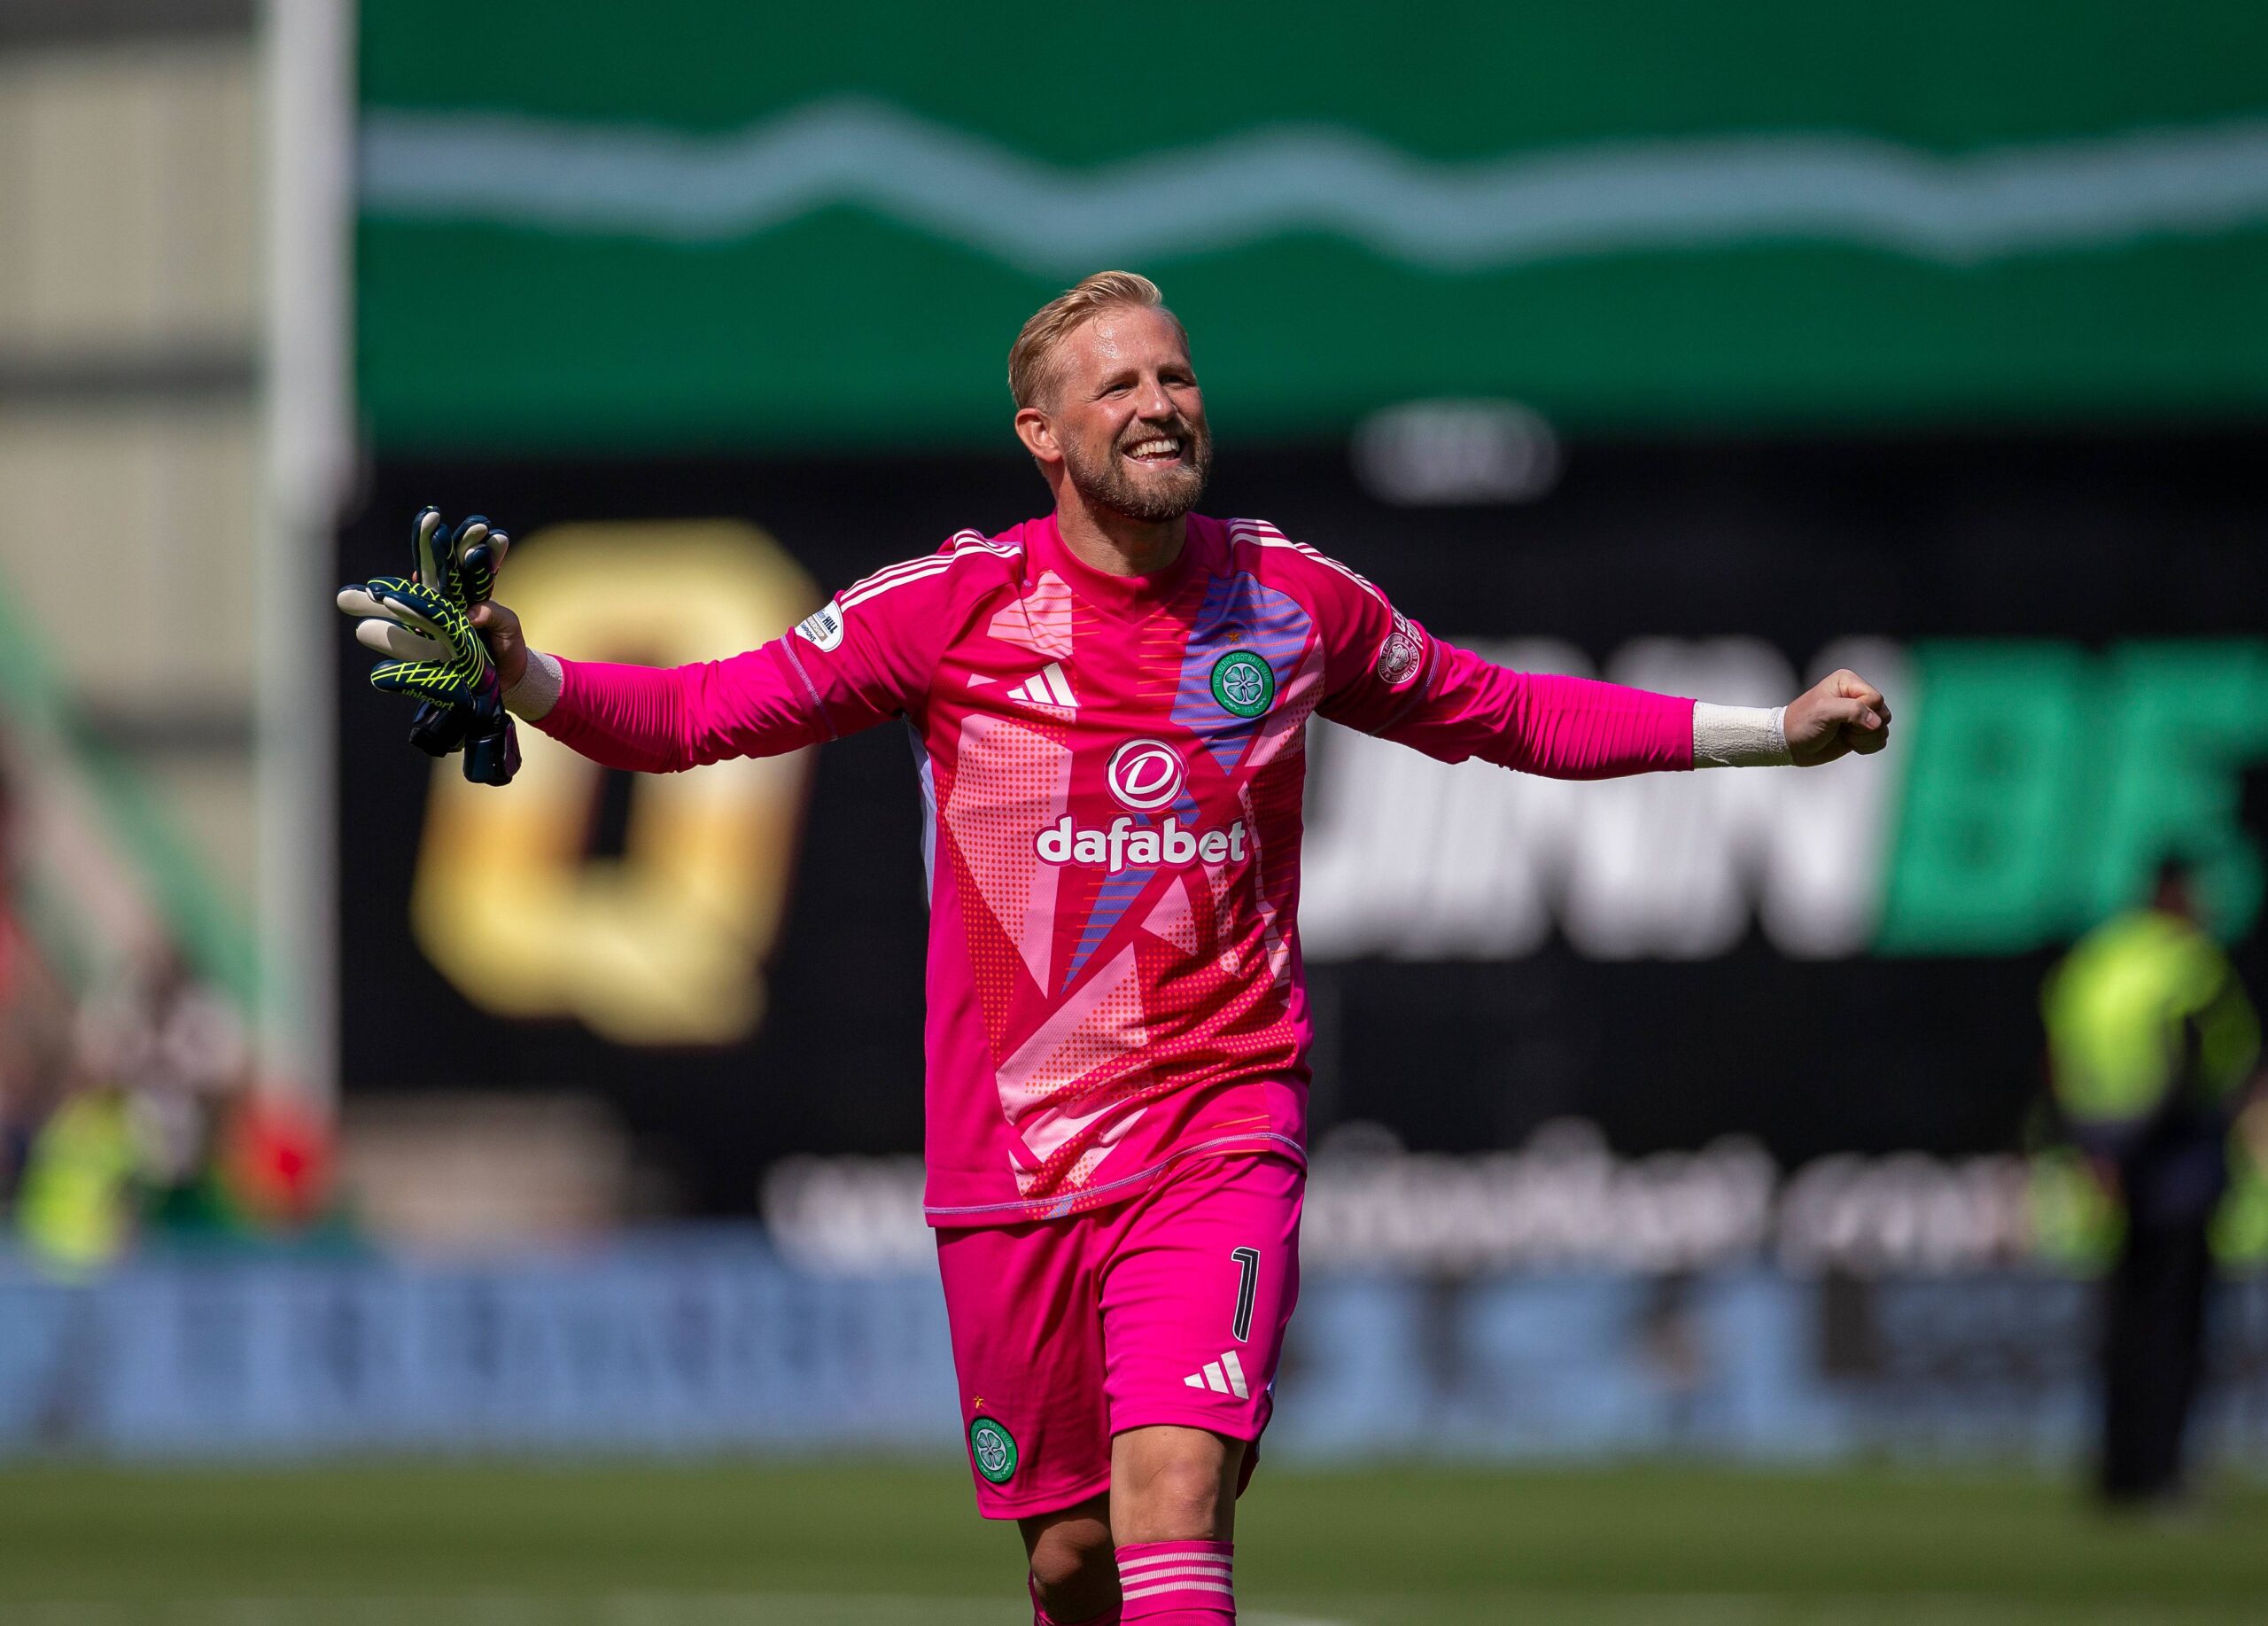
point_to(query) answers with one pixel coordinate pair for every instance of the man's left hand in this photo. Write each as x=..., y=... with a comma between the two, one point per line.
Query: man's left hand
x=1843, y=714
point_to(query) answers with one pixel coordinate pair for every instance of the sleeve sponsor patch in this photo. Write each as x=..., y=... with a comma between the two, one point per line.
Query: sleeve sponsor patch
x=823, y=627
x=1399, y=655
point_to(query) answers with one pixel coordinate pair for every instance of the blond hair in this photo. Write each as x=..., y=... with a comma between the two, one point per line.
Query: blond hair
x=1031, y=358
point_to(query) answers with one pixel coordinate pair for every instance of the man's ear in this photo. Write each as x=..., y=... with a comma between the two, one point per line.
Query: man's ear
x=1038, y=436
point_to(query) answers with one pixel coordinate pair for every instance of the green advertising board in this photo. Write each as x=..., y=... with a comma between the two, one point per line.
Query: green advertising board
x=699, y=223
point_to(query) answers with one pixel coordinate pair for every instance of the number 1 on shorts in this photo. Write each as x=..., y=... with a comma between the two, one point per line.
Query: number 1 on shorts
x=1247, y=1284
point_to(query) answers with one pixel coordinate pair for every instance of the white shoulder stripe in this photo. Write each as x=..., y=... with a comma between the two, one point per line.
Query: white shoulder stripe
x=932, y=564
x=889, y=571
x=952, y=547
x=1263, y=535
x=875, y=587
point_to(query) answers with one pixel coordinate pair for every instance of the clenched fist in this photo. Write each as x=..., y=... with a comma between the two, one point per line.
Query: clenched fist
x=1841, y=713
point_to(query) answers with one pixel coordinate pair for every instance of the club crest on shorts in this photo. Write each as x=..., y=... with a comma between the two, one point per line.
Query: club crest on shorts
x=994, y=1449
x=1244, y=683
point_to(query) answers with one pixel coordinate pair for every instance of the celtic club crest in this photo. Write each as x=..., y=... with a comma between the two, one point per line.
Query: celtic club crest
x=994, y=1449
x=1243, y=683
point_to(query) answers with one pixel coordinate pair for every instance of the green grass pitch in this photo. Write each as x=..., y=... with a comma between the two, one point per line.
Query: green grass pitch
x=825, y=1542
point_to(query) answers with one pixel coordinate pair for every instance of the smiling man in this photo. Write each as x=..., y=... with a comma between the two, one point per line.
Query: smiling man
x=1110, y=706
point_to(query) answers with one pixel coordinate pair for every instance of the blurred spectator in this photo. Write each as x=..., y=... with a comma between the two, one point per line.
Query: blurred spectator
x=178, y=1051
x=35, y=1021
x=160, y=1128
x=2152, y=1044
x=275, y=1162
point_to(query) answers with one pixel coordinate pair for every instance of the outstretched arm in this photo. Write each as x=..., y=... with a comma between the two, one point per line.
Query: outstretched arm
x=1561, y=728
x=661, y=720
x=866, y=657
x=1565, y=728
x=835, y=674
x=655, y=719
x=1387, y=675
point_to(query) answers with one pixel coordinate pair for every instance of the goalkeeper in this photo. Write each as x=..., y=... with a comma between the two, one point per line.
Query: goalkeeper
x=1111, y=700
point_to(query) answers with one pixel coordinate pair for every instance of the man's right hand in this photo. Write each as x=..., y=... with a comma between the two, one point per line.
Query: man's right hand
x=499, y=630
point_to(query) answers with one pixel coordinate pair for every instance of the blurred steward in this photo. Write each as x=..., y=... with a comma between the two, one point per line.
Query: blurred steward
x=2152, y=1046
x=79, y=1198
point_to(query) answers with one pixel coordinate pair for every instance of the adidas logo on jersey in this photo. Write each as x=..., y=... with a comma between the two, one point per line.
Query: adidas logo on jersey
x=1046, y=687
x=1225, y=1376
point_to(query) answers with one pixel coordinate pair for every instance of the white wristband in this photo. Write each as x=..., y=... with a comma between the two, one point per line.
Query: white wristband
x=1740, y=736
x=538, y=689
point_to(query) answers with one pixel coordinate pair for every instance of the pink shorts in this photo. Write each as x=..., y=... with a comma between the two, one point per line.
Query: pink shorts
x=1167, y=1308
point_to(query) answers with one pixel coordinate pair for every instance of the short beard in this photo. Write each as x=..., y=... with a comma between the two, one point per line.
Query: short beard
x=1165, y=497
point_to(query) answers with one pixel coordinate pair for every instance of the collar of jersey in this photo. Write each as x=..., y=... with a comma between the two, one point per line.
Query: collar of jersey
x=1127, y=597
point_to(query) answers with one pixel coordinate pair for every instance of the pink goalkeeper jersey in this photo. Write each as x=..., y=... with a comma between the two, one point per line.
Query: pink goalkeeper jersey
x=1112, y=770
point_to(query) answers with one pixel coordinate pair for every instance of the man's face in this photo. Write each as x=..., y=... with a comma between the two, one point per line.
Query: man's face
x=1126, y=414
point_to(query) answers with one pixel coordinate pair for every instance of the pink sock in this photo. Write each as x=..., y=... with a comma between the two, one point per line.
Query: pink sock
x=1041, y=1617
x=1177, y=1583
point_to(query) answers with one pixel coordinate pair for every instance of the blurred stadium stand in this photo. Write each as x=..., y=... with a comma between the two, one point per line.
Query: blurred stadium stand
x=131, y=313
x=129, y=335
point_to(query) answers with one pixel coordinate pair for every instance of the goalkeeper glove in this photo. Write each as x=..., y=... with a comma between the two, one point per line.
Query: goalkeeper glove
x=436, y=655
x=435, y=729
x=462, y=567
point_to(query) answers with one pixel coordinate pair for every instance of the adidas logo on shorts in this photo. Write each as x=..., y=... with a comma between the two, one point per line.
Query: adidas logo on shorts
x=1225, y=1376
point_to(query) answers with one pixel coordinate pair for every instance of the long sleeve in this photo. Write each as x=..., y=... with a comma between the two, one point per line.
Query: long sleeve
x=1560, y=728
x=866, y=655
x=1386, y=675
x=661, y=720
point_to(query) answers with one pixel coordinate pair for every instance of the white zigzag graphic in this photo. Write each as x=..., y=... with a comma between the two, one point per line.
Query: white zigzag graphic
x=1603, y=198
